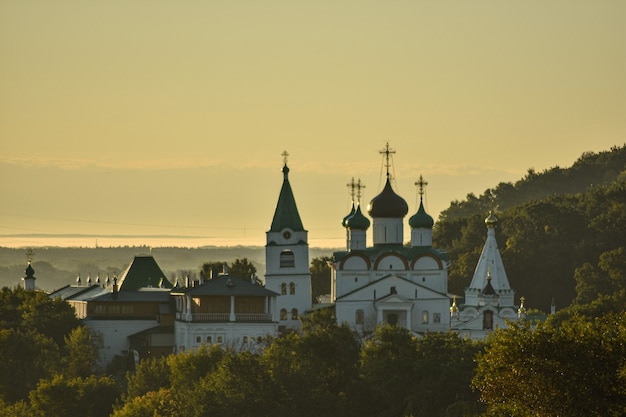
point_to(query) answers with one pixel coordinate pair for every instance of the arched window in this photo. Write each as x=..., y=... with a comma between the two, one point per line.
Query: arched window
x=283, y=288
x=283, y=314
x=424, y=317
x=245, y=340
x=360, y=317
x=294, y=314
x=209, y=339
x=287, y=259
x=292, y=288
x=488, y=320
x=220, y=339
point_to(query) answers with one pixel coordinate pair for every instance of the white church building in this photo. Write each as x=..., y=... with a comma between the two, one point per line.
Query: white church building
x=388, y=281
x=489, y=300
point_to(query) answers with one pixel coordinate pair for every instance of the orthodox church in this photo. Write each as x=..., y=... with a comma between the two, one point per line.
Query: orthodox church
x=489, y=300
x=388, y=281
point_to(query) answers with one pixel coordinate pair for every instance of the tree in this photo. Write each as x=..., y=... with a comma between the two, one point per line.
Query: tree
x=82, y=352
x=320, y=276
x=151, y=375
x=152, y=404
x=62, y=396
x=314, y=373
x=240, y=386
x=575, y=369
x=388, y=362
x=242, y=268
x=27, y=357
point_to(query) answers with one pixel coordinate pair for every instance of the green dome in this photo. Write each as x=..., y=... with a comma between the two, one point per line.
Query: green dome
x=421, y=219
x=358, y=221
x=344, y=222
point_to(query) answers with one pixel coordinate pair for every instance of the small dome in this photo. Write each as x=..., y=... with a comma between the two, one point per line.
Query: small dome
x=344, y=222
x=491, y=220
x=30, y=272
x=387, y=204
x=358, y=221
x=421, y=219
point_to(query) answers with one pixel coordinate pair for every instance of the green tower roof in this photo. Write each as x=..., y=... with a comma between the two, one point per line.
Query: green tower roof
x=143, y=272
x=286, y=214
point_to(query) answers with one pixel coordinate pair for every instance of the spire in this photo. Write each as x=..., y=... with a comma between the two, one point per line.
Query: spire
x=490, y=265
x=286, y=214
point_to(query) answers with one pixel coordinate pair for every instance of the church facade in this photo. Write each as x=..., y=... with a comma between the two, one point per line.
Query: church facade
x=489, y=300
x=388, y=281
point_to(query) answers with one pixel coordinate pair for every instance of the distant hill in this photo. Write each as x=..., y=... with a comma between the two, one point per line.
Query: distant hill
x=56, y=267
x=552, y=223
x=590, y=170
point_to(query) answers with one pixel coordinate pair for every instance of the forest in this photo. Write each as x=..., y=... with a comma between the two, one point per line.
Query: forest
x=561, y=234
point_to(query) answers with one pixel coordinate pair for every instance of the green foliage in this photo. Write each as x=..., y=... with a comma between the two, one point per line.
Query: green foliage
x=82, y=352
x=35, y=311
x=153, y=404
x=573, y=369
x=187, y=368
x=62, y=396
x=27, y=357
x=320, y=276
x=313, y=374
x=152, y=374
x=241, y=268
x=551, y=223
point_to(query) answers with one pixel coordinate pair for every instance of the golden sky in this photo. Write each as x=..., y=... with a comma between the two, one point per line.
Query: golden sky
x=163, y=117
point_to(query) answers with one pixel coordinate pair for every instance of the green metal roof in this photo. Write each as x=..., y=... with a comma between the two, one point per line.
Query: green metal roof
x=286, y=215
x=143, y=272
x=408, y=252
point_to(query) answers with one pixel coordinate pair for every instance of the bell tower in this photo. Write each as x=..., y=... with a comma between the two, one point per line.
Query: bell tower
x=287, y=258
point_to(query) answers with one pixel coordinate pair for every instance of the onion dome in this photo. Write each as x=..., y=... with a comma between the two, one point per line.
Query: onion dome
x=30, y=272
x=387, y=204
x=344, y=222
x=358, y=221
x=491, y=220
x=421, y=219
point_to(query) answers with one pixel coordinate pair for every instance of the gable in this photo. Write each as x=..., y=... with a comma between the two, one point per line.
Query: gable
x=386, y=286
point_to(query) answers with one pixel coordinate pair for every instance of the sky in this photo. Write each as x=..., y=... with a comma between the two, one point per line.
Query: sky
x=146, y=118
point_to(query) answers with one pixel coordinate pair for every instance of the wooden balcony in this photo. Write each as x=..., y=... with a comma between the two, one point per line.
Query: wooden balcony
x=225, y=317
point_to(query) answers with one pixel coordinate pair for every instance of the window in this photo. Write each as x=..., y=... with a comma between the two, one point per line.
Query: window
x=436, y=317
x=198, y=339
x=287, y=259
x=292, y=288
x=245, y=340
x=283, y=288
x=360, y=317
x=488, y=320
x=209, y=339
x=220, y=339
x=294, y=314
x=283, y=314
x=424, y=317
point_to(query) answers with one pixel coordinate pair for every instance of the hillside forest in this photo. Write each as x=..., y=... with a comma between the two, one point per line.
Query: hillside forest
x=561, y=236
